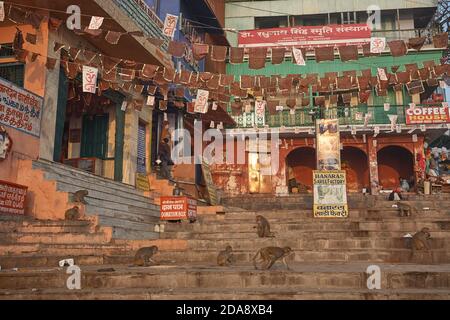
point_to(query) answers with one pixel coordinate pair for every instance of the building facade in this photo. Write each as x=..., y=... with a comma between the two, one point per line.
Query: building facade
x=375, y=152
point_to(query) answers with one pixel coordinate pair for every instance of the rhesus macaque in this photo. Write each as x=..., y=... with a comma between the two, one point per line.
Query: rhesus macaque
x=405, y=209
x=73, y=214
x=79, y=196
x=226, y=257
x=263, y=228
x=420, y=241
x=144, y=256
x=269, y=255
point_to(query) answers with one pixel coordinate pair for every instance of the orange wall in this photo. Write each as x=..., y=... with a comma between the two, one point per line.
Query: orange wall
x=25, y=146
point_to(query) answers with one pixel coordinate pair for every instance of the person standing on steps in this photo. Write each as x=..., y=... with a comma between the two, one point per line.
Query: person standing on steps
x=166, y=159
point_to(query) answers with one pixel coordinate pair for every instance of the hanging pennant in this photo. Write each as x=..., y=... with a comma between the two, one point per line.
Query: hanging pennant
x=201, y=102
x=377, y=45
x=382, y=74
x=298, y=56
x=367, y=118
x=90, y=75
x=96, y=23
x=124, y=106
x=393, y=119
x=387, y=107
x=260, y=108
x=113, y=37
x=2, y=11
x=170, y=25
x=151, y=101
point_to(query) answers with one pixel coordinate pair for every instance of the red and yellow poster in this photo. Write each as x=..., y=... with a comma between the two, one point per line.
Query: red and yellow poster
x=178, y=208
x=428, y=115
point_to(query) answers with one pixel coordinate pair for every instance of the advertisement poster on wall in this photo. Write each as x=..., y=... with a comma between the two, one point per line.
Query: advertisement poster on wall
x=328, y=144
x=20, y=109
x=330, y=194
x=428, y=114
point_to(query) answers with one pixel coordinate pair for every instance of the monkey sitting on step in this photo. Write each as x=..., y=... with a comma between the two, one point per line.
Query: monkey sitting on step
x=405, y=209
x=420, y=241
x=144, y=256
x=73, y=214
x=226, y=257
x=269, y=255
x=263, y=228
x=78, y=196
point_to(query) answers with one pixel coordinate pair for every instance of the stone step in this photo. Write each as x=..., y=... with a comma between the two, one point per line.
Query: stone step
x=324, y=256
x=238, y=277
x=306, y=234
x=279, y=227
x=45, y=261
x=133, y=234
x=226, y=294
x=310, y=244
x=34, y=228
x=58, y=168
x=54, y=238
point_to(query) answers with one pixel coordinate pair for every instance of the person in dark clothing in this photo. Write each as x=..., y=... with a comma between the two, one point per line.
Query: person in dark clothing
x=395, y=195
x=166, y=159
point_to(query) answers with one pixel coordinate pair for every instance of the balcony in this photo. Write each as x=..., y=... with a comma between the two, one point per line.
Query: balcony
x=348, y=116
x=407, y=34
x=144, y=16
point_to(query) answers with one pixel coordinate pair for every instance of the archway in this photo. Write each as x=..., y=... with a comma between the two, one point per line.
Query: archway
x=355, y=163
x=394, y=162
x=302, y=161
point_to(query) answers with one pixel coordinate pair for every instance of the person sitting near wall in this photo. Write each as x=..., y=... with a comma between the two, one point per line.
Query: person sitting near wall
x=404, y=185
x=395, y=195
x=166, y=159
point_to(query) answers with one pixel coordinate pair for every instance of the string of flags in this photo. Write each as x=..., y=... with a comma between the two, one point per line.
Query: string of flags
x=101, y=72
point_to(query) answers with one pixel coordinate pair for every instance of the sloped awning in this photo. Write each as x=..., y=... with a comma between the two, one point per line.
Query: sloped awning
x=219, y=115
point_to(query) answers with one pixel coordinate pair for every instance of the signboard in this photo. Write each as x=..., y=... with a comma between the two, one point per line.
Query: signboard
x=90, y=75
x=142, y=182
x=330, y=194
x=328, y=144
x=20, y=109
x=12, y=198
x=178, y=208
x=201, y=102
x=170, y=25
x=304, y=37
x=428, y=115
x=207, y=176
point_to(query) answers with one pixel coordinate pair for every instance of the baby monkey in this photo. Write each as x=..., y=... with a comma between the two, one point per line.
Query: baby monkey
x=269, y=255
x=144, y=256
x=263, y=228
x=226, y=257
x=72, y=214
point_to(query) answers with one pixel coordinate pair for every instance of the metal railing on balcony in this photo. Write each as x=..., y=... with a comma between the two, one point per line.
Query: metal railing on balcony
x=351, y=116
x=145, y=17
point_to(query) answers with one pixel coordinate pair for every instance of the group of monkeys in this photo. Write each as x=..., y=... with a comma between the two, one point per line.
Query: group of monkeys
x=265, y=257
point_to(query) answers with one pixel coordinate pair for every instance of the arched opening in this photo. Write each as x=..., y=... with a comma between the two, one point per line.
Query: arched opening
x=300, y=164
x=394, y=162
x=355, y=163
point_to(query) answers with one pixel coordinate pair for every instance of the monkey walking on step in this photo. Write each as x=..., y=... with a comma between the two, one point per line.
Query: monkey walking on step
x=226, y=257
x=269, y=255
x=144, y=256
x=263, y=228
x=405, y=209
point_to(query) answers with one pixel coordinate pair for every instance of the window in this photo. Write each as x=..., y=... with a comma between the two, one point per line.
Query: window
x=316, y=20
x=6, y=50
x=13, y=73
x=271, y=22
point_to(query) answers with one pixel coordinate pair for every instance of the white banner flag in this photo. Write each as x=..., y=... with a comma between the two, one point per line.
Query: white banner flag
x=382, y=74
x=151, y=100
x=2, y=11
x=96, y=23
x=393, y=118
x=387, y=107
x=170, y=25
x=298, y=56
x=201, y=102
x=90, y=75
x=260, y=108
x=377, y=45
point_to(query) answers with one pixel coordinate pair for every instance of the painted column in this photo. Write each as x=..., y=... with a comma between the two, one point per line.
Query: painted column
x=373, y=165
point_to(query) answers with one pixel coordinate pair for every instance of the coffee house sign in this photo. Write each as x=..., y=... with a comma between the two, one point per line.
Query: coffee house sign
x=428, y=115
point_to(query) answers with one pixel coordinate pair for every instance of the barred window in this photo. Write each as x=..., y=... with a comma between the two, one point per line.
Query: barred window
x=14, y=73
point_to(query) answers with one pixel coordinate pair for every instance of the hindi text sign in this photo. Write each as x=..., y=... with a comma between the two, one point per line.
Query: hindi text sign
x=330, y=194
x=12, y=198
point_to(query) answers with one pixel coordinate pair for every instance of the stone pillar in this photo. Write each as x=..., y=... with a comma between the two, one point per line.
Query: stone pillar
x=49, y=114
x=130, y=146
x=373, y=165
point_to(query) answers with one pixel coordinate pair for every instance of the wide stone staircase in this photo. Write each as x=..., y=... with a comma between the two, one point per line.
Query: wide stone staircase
x=130, y=213
x=330, y=260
